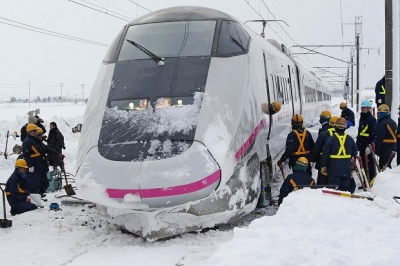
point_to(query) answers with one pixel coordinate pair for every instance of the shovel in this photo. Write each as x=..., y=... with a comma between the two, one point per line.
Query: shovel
x=4, y=223
x=68, y=187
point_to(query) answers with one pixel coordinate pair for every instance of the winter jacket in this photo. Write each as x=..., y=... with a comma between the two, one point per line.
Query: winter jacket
x=385, y=140
x=16, y=188
x=380, y=92
x=324, y=128
x=55, y=140
x=366, y=131
x=31, y=152
x=319, y=147
x=337, y=157
x=348, y=115
x=294, y=150
x=292, y=181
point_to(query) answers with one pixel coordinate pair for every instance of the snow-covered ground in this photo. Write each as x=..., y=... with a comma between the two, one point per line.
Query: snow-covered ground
x=310, y=228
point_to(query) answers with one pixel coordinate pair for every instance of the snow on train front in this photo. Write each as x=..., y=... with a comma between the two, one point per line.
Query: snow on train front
x=138, y=158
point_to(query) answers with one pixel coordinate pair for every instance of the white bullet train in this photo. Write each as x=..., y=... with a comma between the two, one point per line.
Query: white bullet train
x=176, y=135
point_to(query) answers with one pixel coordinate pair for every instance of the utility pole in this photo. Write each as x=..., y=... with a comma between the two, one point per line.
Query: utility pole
x=358, y=29
x=83, y=87
x=29, y=94
x=389, y=52
x=357, y=71
x=352, y=76
x=61, y=86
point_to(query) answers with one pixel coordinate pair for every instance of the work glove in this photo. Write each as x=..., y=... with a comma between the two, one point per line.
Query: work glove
x=379, y=100
x=324, y=171
x=31, y=169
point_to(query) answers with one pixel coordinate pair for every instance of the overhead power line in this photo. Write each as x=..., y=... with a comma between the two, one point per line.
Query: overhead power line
x=48, y=32
x=101, y=11
x=140, y=5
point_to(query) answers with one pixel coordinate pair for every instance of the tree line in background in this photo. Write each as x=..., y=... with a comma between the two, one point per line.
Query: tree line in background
x=48, y=99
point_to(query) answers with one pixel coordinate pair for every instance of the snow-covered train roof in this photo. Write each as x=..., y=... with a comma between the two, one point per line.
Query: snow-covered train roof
x=182, y=13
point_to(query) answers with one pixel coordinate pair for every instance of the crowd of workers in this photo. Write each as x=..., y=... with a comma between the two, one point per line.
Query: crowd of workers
x=32, y=164
x=334, y=152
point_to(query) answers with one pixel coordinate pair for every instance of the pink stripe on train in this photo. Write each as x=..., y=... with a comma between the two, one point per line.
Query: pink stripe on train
x=168, y=191
x=246, y=145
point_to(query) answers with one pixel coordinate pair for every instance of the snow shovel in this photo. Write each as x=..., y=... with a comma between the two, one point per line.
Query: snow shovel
x=68, y=187
x=4, y=223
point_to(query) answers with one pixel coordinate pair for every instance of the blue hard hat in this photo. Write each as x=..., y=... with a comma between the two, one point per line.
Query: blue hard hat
x=366, y=103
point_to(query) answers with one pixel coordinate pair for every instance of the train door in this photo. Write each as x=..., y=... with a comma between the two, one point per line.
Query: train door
x=299, y=85
x=270, y=120
x=292, y=93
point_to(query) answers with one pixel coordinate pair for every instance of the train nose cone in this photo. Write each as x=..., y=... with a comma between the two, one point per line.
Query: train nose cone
x=190, y=176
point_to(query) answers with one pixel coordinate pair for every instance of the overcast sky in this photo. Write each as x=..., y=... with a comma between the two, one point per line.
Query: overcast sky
x=46, y=61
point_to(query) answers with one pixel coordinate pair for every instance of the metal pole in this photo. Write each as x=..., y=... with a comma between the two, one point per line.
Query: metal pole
x=358, y=71
x=352, y=77
x=388, y=52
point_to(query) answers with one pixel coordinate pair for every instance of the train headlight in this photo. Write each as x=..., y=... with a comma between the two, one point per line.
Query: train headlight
x=130, y=104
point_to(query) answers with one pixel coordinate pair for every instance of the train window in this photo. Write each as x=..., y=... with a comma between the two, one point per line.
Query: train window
x=129, y=104
x=233, y=39
x=169, y=39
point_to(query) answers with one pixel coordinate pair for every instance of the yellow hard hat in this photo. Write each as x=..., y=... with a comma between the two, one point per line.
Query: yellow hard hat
x=341, y=123
x=31, y=127
x=342, y=105
x=302, y=161
x=383, y=108
x=325, y=114
x=297, y=119
x=21, y=163
x=333, y=120
x=276, y=106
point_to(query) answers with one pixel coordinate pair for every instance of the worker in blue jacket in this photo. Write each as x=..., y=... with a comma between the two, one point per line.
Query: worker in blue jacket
x=299, y=143
x=366, y=136
x=338, y=157
x=17, y=195
x=318, y=149
x=385, y=141
x=297, y=178
x=380, y=92
x=348, y=115
x=32, y=155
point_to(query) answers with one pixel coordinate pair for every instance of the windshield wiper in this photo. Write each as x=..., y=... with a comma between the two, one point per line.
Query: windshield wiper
x=159, y=60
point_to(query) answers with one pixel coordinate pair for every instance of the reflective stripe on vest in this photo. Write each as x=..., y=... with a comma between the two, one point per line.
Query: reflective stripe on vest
x=295, y=185
x=383, y=91
x=393, y=139
x=363, y=132
x=36, y=153
x=301, y=137
x=342, y=150
x=331, y=131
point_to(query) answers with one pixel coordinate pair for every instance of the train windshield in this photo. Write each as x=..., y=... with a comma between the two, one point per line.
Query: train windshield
x=169, y=39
